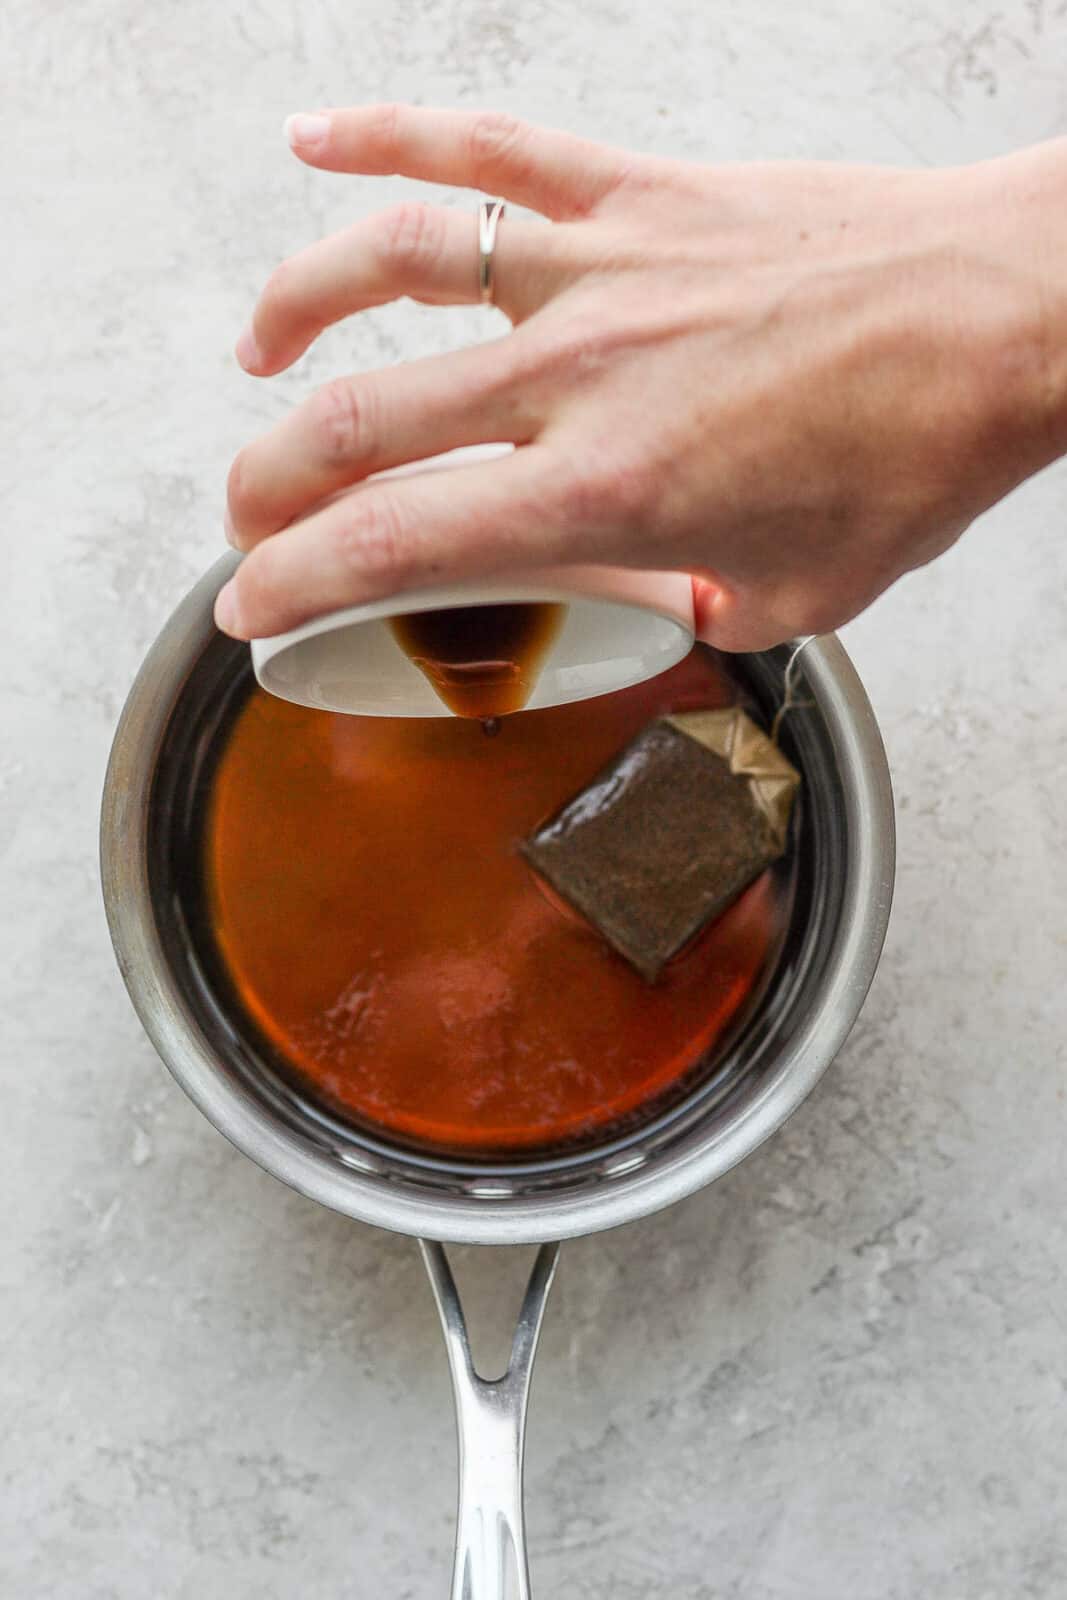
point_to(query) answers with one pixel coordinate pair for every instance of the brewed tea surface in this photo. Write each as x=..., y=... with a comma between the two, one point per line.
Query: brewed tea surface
x=389, y=944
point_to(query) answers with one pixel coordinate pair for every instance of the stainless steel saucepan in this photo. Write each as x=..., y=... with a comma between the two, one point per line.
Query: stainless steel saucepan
x=844, y=839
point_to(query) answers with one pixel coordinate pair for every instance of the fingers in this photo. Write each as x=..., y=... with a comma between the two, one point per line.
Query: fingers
x=357, y=426
x=555, y=173
x=426, y=252
x=402, y=534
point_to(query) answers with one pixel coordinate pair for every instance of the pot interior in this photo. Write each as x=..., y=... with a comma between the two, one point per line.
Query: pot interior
x=714, y=1095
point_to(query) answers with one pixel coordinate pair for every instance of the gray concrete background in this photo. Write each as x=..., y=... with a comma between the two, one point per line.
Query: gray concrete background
x=839, y=1375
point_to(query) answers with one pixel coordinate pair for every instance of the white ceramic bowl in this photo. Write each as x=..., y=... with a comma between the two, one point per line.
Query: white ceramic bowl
x=621, y=627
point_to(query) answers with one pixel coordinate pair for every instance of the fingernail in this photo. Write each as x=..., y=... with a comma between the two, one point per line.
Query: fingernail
x=306, y=132
x=247, y=350
x=228, y=528
x=226, y=609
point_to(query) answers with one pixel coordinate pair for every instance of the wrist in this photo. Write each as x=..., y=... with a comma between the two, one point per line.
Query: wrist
x=1021, y=202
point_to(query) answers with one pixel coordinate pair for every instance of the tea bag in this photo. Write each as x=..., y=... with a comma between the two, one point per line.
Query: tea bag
x=670, y=832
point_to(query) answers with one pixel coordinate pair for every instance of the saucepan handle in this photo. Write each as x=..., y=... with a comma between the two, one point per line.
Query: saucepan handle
x=490, y=1559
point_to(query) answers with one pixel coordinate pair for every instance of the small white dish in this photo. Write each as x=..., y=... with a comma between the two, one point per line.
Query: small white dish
x=620, y=627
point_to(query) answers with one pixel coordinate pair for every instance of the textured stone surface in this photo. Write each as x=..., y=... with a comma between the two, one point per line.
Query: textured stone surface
x=839, y=1373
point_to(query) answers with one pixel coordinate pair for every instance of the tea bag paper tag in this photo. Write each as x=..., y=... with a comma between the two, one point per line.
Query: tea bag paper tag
x=749, y=753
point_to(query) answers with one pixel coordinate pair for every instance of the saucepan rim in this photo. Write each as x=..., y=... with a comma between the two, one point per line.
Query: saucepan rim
x=528, y=1218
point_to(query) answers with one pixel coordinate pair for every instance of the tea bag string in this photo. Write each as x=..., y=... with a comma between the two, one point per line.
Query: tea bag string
x=790, y=701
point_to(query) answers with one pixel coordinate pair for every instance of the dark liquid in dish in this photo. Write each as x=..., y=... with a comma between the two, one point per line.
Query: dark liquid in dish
x=401, y=962
x=483, y=661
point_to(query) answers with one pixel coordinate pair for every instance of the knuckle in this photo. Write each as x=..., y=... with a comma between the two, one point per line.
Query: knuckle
x=607, y=493
x=382, y=127
x=340, y=420
x=584, y=499
x=494, y=137
x=236, y=484
x=255, y=590
x=578, y=349
x=245, y=505
x=642, y=177
x=276, y=301
x=373, y=545
x=411, y=236
x=629, y=485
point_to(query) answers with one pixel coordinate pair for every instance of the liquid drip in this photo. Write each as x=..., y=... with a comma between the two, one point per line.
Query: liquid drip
x=382, y=938
x=483, y=661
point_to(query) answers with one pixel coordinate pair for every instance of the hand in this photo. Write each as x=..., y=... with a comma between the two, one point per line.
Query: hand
x=796, y=381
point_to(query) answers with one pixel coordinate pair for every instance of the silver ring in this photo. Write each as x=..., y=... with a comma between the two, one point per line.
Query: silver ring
x=489, y=215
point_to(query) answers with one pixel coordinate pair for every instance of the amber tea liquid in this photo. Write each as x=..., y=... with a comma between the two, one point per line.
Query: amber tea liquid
x=401, y=962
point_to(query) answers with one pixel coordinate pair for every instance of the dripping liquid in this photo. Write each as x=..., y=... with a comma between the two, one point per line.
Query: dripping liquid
x=372, y=927
x=483, y=661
